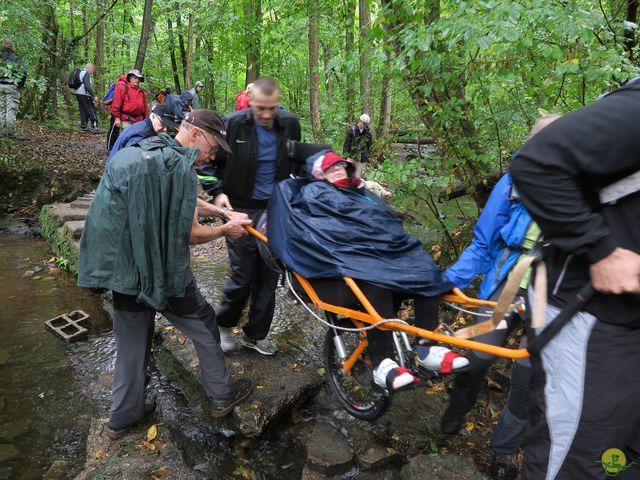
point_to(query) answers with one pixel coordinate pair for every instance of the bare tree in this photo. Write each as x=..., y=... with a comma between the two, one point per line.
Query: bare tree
x=253, y=32
x=147, y=27
x=365, y=66
x=314, y=76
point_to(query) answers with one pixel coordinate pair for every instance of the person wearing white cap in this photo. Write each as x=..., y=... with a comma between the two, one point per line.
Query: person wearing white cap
x=197, y=88
x=357, y=145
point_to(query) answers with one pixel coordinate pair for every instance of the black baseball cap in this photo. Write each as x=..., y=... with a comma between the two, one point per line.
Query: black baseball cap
x=167, y=117
x=211, y=122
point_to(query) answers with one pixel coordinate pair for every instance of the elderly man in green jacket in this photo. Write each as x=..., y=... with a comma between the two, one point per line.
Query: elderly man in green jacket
x=136, y=243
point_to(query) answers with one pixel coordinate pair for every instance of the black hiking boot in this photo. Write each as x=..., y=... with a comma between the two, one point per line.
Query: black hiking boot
x=243, y=389
x=118, y=433
x=451, y=421
x=504, y=466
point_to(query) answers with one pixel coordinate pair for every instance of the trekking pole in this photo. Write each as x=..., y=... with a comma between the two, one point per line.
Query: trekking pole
x=574, y=306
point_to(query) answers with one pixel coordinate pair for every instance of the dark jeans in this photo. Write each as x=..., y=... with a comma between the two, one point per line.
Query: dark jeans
x=86, y=111
x=512, y=426
x=386, y=304
x=250, y=277
x=112, y=134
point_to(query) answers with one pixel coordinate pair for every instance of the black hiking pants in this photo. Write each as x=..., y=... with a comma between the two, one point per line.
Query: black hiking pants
x=87, y=112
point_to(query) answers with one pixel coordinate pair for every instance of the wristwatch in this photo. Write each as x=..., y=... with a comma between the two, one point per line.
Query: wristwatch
x=223, y=212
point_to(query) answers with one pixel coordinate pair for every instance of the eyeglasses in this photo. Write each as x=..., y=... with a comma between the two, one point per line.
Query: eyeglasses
x=336, y=165
x=212, y=148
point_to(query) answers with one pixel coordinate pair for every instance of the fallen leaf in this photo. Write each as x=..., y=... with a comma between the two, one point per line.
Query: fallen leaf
x=41, y=394
x=470, y=426
x=168, y=328
x=284, y=467
x=161, y=473
x=100, y=454
x=152, y=432
x=321, y=372
x=259, y=386
x=182, y=339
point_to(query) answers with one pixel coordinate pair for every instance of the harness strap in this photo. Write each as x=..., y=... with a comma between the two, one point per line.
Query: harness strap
x=540, y=295
x=504, y=302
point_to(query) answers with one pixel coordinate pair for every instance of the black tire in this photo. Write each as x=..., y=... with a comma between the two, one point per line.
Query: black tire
x=356, y=392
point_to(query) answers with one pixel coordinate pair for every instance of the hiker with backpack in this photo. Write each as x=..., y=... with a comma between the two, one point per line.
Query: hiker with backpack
x=357, y=144
x=13, y=75
x=80, y=82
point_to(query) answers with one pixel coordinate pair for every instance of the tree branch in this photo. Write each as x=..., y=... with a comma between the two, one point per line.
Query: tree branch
x=76, y=40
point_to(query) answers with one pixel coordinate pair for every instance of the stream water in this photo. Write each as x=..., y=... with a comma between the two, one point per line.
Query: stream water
x=47, y=386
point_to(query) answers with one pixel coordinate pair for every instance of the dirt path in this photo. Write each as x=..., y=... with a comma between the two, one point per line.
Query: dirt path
x=51, y=164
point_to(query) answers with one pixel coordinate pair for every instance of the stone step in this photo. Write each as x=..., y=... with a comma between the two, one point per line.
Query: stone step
x=75, y=228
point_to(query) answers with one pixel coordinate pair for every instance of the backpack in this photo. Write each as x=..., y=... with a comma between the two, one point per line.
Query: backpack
x=109, y=95
x=74, y=79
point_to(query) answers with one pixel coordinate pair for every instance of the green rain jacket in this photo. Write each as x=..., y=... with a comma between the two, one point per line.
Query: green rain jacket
x=136, y=236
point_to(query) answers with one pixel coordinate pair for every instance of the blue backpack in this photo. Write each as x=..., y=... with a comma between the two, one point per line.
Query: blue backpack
x=109, y=95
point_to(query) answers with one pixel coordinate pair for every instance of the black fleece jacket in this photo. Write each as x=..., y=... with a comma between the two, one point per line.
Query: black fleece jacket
x=559, y=174
x=237, y=170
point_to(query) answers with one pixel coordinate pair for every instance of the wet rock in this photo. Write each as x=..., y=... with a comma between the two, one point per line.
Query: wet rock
x=75, y=228
x=280, y=381
x=328, y=451
x=377, y=457
x=5, y=357
x=29, y=273
x=311, y=475
x=11, y=431
x=13, y=226
x=133, y=456
x=57, y=471
x=8, y=452
x=443, y=467
x=3, y=404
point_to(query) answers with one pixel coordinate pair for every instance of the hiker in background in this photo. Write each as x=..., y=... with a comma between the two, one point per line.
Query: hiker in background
x=197, y=88
x=357, y=144
x=86, y=98
x=13, y=75
x=160, y=97
x=129, y=101
x=242, y=98
x=180, y=104
x=160, y=120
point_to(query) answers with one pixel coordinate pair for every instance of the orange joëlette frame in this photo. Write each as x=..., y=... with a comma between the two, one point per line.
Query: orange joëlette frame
x=371, y=316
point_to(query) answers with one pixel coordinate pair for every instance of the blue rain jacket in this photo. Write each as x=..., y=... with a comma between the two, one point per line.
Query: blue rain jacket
x=497, y=238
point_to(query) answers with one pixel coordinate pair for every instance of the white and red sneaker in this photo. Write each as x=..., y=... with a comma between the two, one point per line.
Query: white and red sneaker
x=392, y=376
x=440, y=359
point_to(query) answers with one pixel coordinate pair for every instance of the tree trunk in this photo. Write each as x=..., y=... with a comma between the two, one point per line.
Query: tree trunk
x=69, y=100
x=50, y=35
x=253, y=31
x=349, y=15
x=365, y=65
x=99, y=54
x=629, y=33
x=328, y=72
x=72, y=8
x=386, y=98
x=147, y=27
x=124, y=26
x=172, y=53
x=85, y=42
x=187, y=75
x=183, y=50
x=314, y=82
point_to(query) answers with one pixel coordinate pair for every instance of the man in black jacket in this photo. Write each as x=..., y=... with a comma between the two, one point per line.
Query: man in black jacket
x=576, y=178
x=357, y=144
x=12, y=77
x=258, y=138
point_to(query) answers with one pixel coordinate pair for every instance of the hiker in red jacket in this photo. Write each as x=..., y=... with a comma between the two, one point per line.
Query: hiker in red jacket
x=129, y=101
x=242, y=98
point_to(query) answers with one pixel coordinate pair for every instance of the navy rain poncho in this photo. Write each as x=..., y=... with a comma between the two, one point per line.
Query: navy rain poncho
x=321, y=231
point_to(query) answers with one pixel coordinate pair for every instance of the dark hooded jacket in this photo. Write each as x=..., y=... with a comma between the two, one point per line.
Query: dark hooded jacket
x=179, y=103
x=12, y=70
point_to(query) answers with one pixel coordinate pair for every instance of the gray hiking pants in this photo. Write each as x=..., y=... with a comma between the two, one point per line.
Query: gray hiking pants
x=133, y=326
x=9, y=104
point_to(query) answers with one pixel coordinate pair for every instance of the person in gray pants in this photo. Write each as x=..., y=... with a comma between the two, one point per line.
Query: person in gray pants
x=136, y=243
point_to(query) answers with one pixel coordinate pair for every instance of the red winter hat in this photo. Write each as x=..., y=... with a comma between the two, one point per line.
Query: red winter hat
x=331, y=158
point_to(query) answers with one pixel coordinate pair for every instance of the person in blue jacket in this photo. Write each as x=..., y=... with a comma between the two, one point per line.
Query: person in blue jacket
x=160, y=120
x=504, y=232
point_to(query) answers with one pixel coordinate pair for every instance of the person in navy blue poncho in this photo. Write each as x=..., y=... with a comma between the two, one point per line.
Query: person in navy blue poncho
x=328, y=226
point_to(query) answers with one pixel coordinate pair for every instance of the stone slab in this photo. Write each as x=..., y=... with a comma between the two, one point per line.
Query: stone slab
x=75, y=228
x=65, y=212
x=328, y=451
x=133, y=456
x=443, y=466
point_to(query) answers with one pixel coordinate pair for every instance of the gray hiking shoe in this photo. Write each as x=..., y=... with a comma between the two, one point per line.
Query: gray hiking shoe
x=264, y=346
x=118, y=433
x=242, y=391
